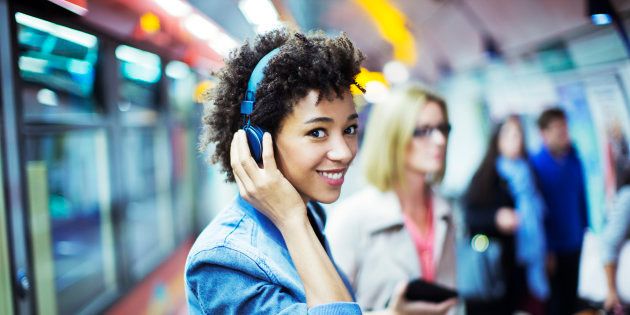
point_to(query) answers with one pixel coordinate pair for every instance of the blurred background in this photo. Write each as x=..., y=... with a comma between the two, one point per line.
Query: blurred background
x=104, y=190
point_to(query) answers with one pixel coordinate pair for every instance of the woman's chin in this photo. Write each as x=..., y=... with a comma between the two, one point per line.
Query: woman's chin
x=326, y=198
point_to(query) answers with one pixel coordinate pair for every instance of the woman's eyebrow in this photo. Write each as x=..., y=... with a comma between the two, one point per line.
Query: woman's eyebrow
x=328, y=119
x=319, y=119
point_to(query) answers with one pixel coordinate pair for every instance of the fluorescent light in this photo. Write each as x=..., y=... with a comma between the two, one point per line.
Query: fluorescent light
x=80, y=67
x=375, y=91
x=175, y=8
x=66, y=33
x=395, y=72
x=139, y=64
x=177, y=70
x=138, y=72
x=260, y=13
x=201, y=27
x=30, y=64
x=222, y=43
x=76, y=8
x=601, y=19
x=47, y=97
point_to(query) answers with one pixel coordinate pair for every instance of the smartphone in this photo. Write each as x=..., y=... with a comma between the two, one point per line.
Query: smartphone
x=421, y=290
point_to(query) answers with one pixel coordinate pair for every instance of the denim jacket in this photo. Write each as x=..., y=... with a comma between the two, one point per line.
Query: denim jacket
x=240, y=264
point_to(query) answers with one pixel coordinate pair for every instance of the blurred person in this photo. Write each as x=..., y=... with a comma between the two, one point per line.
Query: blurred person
x=617, y=229
x=503, y=203
x=399, y=228
x=265, y=253
x=561, y=180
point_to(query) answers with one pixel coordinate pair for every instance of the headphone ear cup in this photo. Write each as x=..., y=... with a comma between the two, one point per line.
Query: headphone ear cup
x=254, y=140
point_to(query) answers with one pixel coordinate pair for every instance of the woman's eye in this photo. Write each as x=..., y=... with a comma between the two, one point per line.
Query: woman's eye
x=317, y=133
x=352, y=130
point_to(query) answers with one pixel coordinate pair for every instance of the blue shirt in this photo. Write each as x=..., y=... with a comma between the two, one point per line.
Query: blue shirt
x=240, y=264
x=561, y=182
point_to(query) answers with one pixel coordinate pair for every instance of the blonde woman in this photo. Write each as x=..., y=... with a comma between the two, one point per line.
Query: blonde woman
x=398, y=228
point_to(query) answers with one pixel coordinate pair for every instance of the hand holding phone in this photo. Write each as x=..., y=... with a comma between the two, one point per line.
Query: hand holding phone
x=421, y=290
x=403, y=306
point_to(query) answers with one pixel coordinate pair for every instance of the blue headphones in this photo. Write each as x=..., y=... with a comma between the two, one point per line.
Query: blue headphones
x=253, y=132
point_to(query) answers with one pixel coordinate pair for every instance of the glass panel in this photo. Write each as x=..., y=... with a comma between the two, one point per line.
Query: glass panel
x=57, y=65
x=6, y=295
x=186, y=122
x=149, y=226
x=139, y=74
x=70, y=215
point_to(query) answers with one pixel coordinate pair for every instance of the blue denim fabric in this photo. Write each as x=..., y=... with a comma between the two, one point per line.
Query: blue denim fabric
x=531, y=246
x=240, y=264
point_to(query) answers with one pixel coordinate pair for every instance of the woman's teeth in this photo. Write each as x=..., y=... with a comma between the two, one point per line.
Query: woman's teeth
x=332, y=175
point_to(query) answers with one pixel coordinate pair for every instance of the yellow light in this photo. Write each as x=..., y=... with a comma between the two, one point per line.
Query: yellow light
x=480, y=243
x=149, y=23
x=202, y=90
x=391, y=24
x=366, y=76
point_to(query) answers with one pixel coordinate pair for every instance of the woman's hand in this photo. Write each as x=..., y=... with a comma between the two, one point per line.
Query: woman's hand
x=401, y=306
x=612, y=303
x=507, y=220
x=265, y=187
x=271, y=193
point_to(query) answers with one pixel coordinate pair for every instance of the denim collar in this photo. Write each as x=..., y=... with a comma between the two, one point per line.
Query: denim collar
x=261, y=220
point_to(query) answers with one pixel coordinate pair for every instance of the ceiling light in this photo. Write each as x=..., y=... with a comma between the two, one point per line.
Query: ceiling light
x=222, y=43
x=375, y=91
x=176, y=8
x=261, y=14
x=47, y=97
x=395, y=72
x=201, y=27
x=600, y=11
x=601, y=19
x=177, y=70
x=83, y=39
x=132, y=55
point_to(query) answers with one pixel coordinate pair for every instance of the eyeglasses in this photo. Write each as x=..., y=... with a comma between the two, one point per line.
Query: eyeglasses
x=425, y=131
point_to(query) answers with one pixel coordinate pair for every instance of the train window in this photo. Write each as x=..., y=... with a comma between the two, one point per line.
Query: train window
x=185, y=124
x=147, y=217
x=57, y=66
x=70, y=219
x=139, y=74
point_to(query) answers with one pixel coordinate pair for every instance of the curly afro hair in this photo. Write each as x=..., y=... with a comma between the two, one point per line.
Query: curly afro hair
x=304, y=63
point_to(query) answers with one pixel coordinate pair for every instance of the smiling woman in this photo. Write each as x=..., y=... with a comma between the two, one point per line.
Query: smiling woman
x=316, y=144
x=265, y=253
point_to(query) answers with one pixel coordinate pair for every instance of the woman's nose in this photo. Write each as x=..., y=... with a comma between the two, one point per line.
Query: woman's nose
x=342, y=150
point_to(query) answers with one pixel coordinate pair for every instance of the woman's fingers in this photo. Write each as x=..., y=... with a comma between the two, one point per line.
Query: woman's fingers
x=269, y=160
x=398, y=299
x=241, y=188
x=245, y=183
x=446, y=305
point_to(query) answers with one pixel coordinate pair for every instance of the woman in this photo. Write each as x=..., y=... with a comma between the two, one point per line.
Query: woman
x=266, y=253
x=503, y=203
x=399, y=228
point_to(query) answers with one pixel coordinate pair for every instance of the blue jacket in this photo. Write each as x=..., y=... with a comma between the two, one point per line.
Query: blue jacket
x=240, y=264
x=561, y=182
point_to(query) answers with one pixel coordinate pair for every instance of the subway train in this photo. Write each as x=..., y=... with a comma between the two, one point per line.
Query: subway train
x=104, y=189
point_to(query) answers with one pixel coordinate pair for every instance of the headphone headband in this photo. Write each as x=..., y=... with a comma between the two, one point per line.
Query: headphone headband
x=258, y=74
